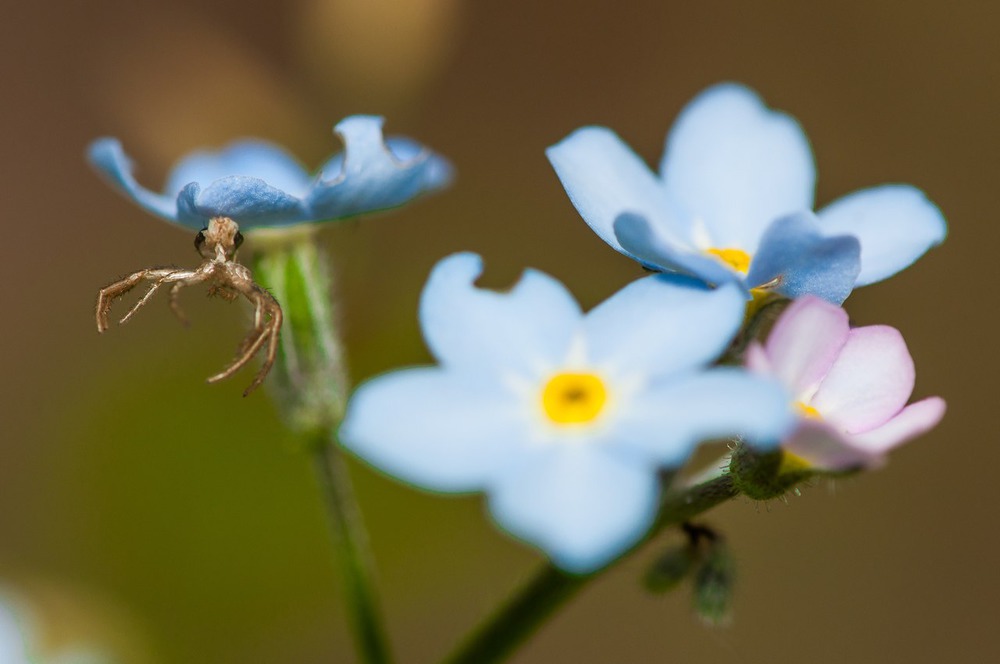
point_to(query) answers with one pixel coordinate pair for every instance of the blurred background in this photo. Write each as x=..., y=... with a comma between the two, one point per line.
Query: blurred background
x=169, y=521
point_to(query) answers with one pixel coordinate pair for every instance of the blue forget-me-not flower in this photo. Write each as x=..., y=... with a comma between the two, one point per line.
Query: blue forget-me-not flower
x=563, y=418
x=733, y=203
x=259, y=185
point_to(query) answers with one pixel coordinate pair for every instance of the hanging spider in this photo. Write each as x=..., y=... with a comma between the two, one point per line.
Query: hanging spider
x=217, y=244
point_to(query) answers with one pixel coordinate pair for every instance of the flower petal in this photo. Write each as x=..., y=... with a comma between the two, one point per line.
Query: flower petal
x=526, y=330
x=248, y=201
x=895, y=224
x=804, y=343
x=582, y=504
x=869, y=382
x=667, y=420
x=371, y=175
x=823, y=448
x=252, y=158
x=108, y=157
x=661, y=325
x=737, y=166
x=604, y=177
x=915, y=419
x=644, y=242
x=437, y=429
x=794, y=252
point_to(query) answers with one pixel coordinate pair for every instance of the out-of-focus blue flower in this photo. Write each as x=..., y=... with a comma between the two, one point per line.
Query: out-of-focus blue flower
x=563, y=418
x=258, y=185
x=15, y=634
x=733, y=203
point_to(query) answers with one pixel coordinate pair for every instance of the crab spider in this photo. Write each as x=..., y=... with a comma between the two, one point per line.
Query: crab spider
x=217, y=244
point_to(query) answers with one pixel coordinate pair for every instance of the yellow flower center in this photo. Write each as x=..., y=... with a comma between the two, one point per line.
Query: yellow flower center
x=737, y=259
x=574, y=398
x=807, y=411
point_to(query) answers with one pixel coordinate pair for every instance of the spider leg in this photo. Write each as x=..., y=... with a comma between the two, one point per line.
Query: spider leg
x=110, y=293
x=175, y=304
x=257, y=338
x=274, y=327
x=143, y=300
x=264, y=304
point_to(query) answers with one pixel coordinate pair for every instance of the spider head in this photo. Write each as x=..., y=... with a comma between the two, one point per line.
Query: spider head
x=219, y=240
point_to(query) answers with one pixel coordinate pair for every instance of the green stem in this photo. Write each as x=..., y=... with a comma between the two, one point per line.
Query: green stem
x=309, y=384
x=551, y=588
x=353, y=557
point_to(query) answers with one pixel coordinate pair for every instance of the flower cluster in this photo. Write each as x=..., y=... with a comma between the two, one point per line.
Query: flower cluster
x=573, y=422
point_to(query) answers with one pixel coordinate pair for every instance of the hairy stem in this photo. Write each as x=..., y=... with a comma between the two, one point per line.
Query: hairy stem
x=309, y=385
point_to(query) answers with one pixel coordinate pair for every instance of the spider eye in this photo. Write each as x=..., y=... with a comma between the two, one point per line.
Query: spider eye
x=238, y=240
x=199, y=239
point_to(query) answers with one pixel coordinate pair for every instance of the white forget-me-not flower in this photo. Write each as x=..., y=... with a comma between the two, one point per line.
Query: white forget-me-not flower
x=733, y=203
x=563, y=418
x=259, y=185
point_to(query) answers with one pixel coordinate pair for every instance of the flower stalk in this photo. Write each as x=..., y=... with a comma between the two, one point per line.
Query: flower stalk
x=310, y=386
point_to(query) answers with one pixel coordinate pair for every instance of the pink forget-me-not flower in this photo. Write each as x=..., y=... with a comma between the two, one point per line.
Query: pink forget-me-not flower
x=733, y=203
x=563, y=418
x=258, y=185
x=850, y=386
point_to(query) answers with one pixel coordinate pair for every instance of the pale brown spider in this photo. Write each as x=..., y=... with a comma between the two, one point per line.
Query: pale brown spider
x=217, y=244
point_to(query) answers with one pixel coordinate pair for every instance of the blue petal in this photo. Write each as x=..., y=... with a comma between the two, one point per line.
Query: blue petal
x=663, y=324
x=439, y=430
x=667, y=420
x=794, y=252
x=737, y=166
x=655, y=250
x=107, y=156
x=895, y=224
x=604, y=178
x=582, y=504
x=526, y=330
x=252, y=158
x=249, y=201
x=371, y=175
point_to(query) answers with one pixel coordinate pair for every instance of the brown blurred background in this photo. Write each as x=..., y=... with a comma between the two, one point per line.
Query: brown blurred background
x=174, y=522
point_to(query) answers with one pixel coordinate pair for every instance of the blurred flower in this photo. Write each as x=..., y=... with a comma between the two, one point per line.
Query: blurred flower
x=734, y=200
x=14, y=634
x=21, y=642
x=258, y=185
x=563, y=418
x=850, y=386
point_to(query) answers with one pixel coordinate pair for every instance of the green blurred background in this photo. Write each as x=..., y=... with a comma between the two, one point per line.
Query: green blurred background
x=175, y=522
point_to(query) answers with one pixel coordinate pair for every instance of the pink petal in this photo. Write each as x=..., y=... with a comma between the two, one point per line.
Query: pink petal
x=823, y=448
x=805, y=342
x=869, y=381
x=756, y=360
x=915, y=419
